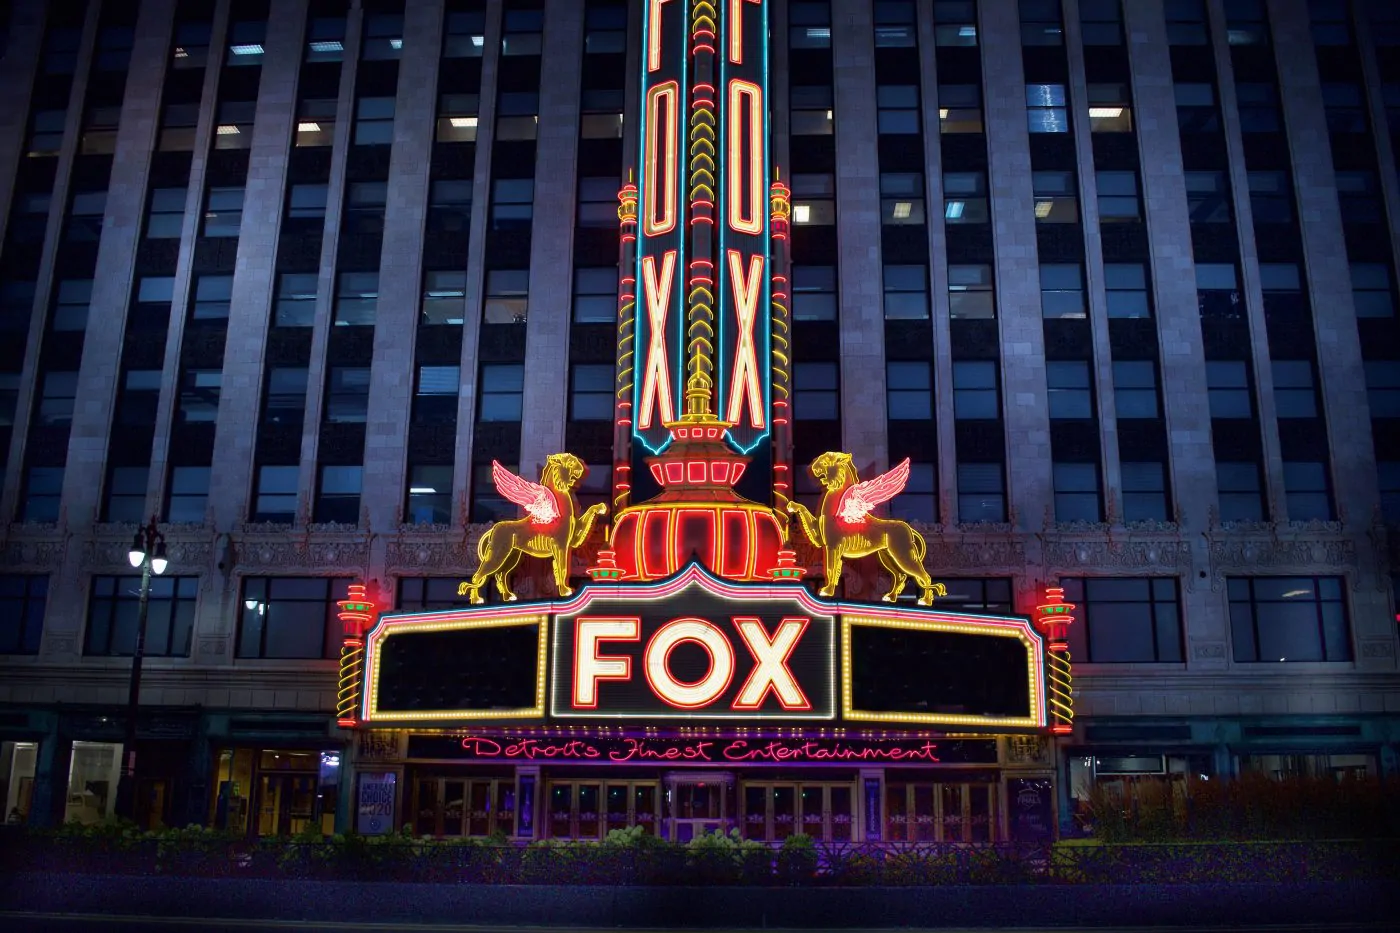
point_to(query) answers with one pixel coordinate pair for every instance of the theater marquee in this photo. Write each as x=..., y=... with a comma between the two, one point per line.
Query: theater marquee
x=696, y=648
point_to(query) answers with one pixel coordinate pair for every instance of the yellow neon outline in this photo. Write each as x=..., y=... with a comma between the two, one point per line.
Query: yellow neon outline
x=669, y=90
x=745, y=376
x=739, y=88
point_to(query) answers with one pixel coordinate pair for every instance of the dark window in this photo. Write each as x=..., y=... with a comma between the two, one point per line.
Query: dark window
x=296, y=299
x=517, y=115
x=1258, y=108
x=975, y=390
x=72, y=301
x=605, y=30
x=1227, y=383
x=338, y=494
x=906, y=292
x=444, y=297
x=1055, y=195
x=140, y=395
x=894, y=24
x=22, y=601
x=1207, y=198
x=1371, y=291
x=16, y=306
x=1045, y=108
x=430, y=594
x=1246, y=23
x=347, y=395
x=356, y=298
x=596, y=485
x=1062, y=290
x=591, y=392
x=177, y=128
x=1383, y=387
x=981, y=492
x=1125, y=286
x=188, y=494
x=513, y=203
x=1195, y=108
x=364, y=206
x=1270, y=198
x=1218, y=290
x=213, y=295
x=126, y=494
x=1241, y=494
x=918, y=501
x=814, y=293
x=595, y=295
x=306, y=209
x=1040, y=23
x=1125, y=619
x=114, y=613
x=436, y=399
x=285, y=402
x=223, y=212
x=1359, y=195
x=814, y=392
x=955, y=22
x=1068, y=385
x=429, y=496
x=990, y=595
x=909, y=391
x=191, y=46
x=965, y=198
x=1076, y=492
x=99, y=135
x=450, y=207
x=291, y=617
x=487, y=504
x=1118, y=197
x=1388, y=472
x=1186, y=22
x=524, y=30
x=597, y=202
x=43, y=490
x=56, y=397
x=1294, y=393
x=1144, y=492
x=383, y=38
x=898, y=109
x=1135, y=389
x=199, y=395
x=970, y=292
x=46, y=133
x=85, y=213
x=276, y=499
x=1289, y=619
x=1330, y=22
x=502, y=389
x=374, y=121
x=1308, y=491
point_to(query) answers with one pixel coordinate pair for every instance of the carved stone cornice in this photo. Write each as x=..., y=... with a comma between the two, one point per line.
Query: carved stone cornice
x=108, y=553
x=283, y=553
x=1109, y=554
x=416, y=551
x=1303, y=555
x=33, y=554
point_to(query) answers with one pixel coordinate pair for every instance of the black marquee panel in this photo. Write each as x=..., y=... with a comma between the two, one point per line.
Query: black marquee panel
x=471, y=670
x=930, y=672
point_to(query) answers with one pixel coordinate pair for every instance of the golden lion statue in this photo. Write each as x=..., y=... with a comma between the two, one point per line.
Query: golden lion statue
x=846, y=528
x=553, y=528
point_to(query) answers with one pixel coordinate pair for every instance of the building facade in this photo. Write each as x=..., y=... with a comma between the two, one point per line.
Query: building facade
x=1118, y=279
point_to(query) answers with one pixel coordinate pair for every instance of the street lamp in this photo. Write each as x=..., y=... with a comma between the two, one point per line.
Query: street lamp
x=148, y=553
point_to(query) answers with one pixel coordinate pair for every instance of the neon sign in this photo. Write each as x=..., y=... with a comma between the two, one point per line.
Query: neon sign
x=703, y=751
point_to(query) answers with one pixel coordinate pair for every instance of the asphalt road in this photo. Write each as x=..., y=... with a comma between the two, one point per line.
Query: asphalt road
x=17, y=922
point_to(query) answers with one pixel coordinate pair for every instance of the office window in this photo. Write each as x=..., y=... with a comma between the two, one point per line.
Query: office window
x=315, y=123
x=444, y=297
x=975, y=390
x=1330, y=23
x=1062, y=290
x=1068, y=384
x=605, y=30
x=1125, y=285
x=517, y=115
x=513, y=200
x=296, y=300
x=338, y=495
x=597, y=202
x=523, y=32
x=276, y=495
x=1186, y=22
x=1308, y=491
x=965, y=198
x=85, y=213
x=502, y=387
x=898, y=109
x=347, y=394
x=99, y=135
x=909, y=391
x=60, y=51
x=1207, y=197
x=1383, y=387
x=285, y=401
x=596, y=485
x=918, y=501
x=234, y=129
x=114, y=613
x=140, y=395
x=1245, y=22
x=1294, y=393
x=56, y=398
x=959, y=108
x=177, y=128
x=981, y=492
x=813, y=199
x=291, y=617
x=902, y=198
x=1288, y=619
x=374, y=121
x=1118, y=197
x=223, y=212
x=191, y=45
x=982, y=596
x=1127, y=620
x=16, y=305
x=1101, y=22
x=246, y=43
x=894, y=24
x=1144, y=492
x=465, y=34
x=1040, y=23
x=811, y=113
x=1076, y=492
x=43, y=489
x=430, y=496
x=810, y=25
x=29, y=218
x=213, y=295
x=813, y=293
x=1227, y=383
x=1241, y=492
x=591, y=392
x=1345, y=107
x=364, y=207
x=487, y=504
x=1258, y=107
x=450, y=207
x=72, y=300
x=1371, y=291
x=507, y=296
x=1055, y=200
x=457, y=118
x=383, y=37
x=1384, y=26
x=22, y=601
x=814, y=392
x=435, y=401
x=955, y=22
x=126, y=494
x=46, y=133
x=595, y=295
x=356, y=297
x=199, y=395
x=1135, y=389
x=1282, y=286
x=1359, y=195
x=325, y=39
x=1270, y=197
x=1195, y=108
x=427, y=594
x=970, y=292
x=1045, y=108
x=188, y=495
x=306, y=210
x=1388, y=473
x=1110, y=108
x=1218, y=290
x=906, y=292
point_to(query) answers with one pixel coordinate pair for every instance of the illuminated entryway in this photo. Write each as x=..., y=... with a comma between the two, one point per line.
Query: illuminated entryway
x=588, y=809
x=775, y=810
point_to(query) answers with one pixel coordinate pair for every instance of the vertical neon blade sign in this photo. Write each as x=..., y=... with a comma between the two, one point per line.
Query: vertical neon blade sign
x=744, y=262
x=661, y=256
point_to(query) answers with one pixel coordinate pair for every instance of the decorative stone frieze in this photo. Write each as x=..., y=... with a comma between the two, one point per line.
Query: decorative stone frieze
x=1112, y=555
x=320, y=553
x=24, y=554
x=1209, y=651
x=1308, y=554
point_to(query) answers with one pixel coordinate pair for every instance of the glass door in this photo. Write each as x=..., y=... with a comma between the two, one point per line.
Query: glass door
x=590, y=809
x=286, y=803
x=697, y=806
x=928, y=812
x=776, y=810
x=464, y=806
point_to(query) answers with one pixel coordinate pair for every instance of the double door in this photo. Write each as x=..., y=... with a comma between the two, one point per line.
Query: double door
x=941, y=812
x=774, y=810
x=589, y=809
x=464, y=806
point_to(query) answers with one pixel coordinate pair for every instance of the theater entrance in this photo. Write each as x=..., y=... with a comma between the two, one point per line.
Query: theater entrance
x=697, y=803
x=774, y=810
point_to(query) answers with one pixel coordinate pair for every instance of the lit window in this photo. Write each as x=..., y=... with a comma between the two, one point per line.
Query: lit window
x=1054, y=198
x=970, y=292
x=507, y=296
x=810, y=25
x=444, y=297
x=959, y=108
x=813, y=199
x=523, y=32
x=325, y=39
x=1040, y=23
x=464, y=34
x=245, y=43
x=1045, y=108
x=811, y=111
x=315, y=123
x=383, y=37
x=902, y=198
x=190, y=48
x=955, y=22
x=965, y=198
x=1110, y=108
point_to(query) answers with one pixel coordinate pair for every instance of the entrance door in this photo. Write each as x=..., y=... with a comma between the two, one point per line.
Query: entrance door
x=774, y=810
x=928, y=812
x=286, y=803
x=588, y=809
x=698, y=805
x=464, y=806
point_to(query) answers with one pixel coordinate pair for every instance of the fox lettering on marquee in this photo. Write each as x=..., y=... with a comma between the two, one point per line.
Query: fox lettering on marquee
x=769, y=653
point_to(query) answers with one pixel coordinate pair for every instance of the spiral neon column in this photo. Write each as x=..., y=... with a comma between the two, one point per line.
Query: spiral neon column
x=780, y=205
x=355, y=614
x=1054, y=621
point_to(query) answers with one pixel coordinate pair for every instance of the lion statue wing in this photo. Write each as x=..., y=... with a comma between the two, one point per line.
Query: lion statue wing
x=532, y=497
x=860, y=499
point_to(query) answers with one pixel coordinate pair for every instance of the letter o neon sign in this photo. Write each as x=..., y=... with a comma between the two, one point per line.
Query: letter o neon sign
x=703, y=691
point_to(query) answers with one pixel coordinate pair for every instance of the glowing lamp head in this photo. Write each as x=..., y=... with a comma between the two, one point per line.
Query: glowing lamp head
x=356, y=611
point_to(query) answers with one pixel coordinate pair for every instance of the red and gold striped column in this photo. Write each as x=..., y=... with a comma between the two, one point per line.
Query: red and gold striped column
x=1053, y=618
x=356, y=614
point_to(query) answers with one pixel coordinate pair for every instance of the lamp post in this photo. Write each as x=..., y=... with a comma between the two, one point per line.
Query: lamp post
x=148, y=553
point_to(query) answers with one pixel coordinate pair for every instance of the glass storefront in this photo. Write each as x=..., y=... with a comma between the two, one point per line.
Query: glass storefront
x=774, y=810
x=588, y=809
x=926, y=811
x=18, y=763
x=93, y=772
x=1290, y=766
x=464, y=807
x=1132, y=782
x=275, y=792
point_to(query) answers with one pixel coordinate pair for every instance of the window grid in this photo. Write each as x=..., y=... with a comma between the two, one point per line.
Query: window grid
x=1288, y=619
x=1126, y=619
